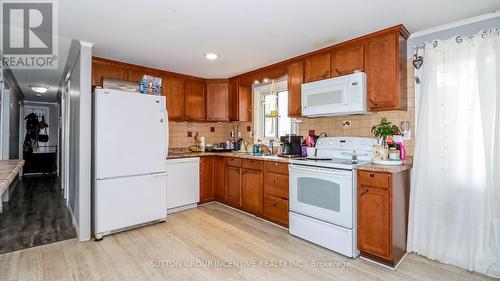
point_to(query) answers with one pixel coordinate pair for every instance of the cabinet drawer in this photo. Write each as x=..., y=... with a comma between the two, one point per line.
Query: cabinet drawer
x=252, y=164
x=275, y=167
x=373, y=179
x=231, y=161
x=276, y=209
x=276, y=185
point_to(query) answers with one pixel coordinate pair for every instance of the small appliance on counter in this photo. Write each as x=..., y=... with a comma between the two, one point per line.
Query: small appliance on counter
x=291, y=146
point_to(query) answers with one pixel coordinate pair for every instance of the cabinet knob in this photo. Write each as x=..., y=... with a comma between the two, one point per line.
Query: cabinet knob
x=276, y=164
x=274, y=205
x=249, y=109
x=298, y=110
x=275, y=181
x=338, y=71
x=372, y=175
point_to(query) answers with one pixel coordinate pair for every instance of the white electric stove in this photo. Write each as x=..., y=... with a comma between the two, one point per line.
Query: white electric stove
x=323, y=193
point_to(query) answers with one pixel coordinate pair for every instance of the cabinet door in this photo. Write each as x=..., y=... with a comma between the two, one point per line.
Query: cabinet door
x=107, y=70
x=220, y=183
x=217, y=101
x=252, y=191
x=233, y=186
x=245, y=103
x=374, y=221
x=194, y=101
x=234, y=103
x=174, y=90
x=317, y=67
x=381, y=66
x=207, y=171
x=295, y=72
x=346, y=59
x=276, y=209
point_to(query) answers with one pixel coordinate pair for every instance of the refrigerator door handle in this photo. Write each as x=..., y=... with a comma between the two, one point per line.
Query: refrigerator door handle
x=159, y=174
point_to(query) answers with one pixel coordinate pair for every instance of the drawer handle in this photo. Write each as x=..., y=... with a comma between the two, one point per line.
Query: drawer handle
x=275, y=181
x=364, y=192
x=372, y=175
x=274, y=204
x=276, y=164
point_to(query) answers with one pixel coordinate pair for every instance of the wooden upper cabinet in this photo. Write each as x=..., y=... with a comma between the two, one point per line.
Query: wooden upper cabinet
x=385, y=67
x=245, y=103
x=217, y=101
x=107, y=70
x=234, y=104
x=295, y=73
x=194, y=101
x=174, y=90
x=317, y=67
x=346, y=59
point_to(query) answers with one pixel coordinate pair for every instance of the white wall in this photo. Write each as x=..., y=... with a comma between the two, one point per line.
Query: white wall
x=53, y=120
x=78, y=132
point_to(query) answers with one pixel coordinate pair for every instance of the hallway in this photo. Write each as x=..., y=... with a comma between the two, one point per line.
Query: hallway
x=36, y=215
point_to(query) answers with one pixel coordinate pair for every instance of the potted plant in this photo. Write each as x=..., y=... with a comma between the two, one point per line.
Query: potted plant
x=384, y=129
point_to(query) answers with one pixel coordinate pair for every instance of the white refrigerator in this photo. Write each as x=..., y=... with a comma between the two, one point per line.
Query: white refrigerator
x=130, y=133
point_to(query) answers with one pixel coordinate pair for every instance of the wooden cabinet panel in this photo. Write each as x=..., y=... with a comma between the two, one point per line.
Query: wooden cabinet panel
x=233, y=186
x=374, y=221
x=245, y=103
x=217, y=101
x=346, y=59
x=174, y=90
x=194, y=101
x=275, y=167
x=207, y=169
x=276, y=185
x=252, y=164
x=295, y=73
x=275, y=209
x=135, y=75
x=107, y=70
x=234, y=104
x=220, y=182
x=252, y=191
x=231, y=161
x=374, y=179
x=317, y=67
x=383, y=72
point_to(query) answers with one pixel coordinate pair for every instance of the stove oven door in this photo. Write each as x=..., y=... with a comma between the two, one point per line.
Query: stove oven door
x=322, y=193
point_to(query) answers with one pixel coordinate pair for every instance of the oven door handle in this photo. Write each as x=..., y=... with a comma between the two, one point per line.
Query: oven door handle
x=323, y=171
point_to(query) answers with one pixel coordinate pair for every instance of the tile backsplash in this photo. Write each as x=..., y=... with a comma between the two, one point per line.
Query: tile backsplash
x=360, y=124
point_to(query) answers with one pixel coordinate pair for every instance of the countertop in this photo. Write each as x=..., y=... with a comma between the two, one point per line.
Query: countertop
x=8, y=172
x=187, y=154
x=386, y=168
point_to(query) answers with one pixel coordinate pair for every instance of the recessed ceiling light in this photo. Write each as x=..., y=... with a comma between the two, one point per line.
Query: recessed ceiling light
x=39, y=89
x=211, y=56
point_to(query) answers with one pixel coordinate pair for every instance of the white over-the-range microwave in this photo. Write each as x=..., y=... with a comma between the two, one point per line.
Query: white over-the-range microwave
x=342, y=95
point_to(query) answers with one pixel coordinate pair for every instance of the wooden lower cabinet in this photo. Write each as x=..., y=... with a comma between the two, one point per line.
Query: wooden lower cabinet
x=233, y=186
x=383, y=215
x=252, y=191
x=220, y=179
x=207, y=179
x=276, y=209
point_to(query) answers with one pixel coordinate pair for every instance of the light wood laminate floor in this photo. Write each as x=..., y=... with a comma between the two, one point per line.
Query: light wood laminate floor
x=183, y=247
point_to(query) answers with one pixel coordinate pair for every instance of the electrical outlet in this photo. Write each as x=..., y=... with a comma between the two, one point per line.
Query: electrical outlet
x=249, y=128
x=212, y=129
x=190, y=134
x=346, y=124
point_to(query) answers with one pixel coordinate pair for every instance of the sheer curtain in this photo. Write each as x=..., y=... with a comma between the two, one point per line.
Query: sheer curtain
x=455, y=195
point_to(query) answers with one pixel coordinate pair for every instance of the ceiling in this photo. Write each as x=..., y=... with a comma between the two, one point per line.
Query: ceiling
x=49, y=78
x=174, y=35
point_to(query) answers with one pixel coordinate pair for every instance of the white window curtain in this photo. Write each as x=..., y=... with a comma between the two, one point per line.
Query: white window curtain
x=454, y=214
